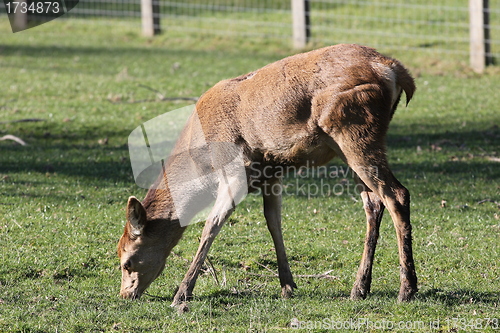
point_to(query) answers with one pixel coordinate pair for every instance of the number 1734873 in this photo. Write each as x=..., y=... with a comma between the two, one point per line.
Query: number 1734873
x=35, y=7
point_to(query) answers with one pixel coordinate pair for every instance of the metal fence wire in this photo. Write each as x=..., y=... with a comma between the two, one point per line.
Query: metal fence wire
x=403, y=24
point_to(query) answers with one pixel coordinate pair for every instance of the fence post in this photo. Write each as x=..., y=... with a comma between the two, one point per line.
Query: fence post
x=150, y=16
x=479, y=35
x=300, y=23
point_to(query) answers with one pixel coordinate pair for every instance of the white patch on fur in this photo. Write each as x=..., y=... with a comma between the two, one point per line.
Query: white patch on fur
x=390, y=77
x=251, y=75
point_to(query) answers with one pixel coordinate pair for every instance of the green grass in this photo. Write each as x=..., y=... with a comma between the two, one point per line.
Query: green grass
x=62, y=197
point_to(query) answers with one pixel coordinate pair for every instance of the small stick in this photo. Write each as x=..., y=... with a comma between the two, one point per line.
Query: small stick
x=212, y=271
x=13, y=138
x=179, y=256
x=159, y=94
x=270, y=270
x=489, y=200
x=325, y=275
x=22, y=120
x=163, y=98
x=155, y=100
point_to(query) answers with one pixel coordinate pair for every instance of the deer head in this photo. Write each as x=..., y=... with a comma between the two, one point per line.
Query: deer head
x=143, y=248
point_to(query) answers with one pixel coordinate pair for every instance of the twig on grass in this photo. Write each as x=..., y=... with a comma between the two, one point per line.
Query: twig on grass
x=270, y=270
x=325, y=275
x=13, y=138
x=159, y=94
x=489, y=200
x=161, y=97
x=263, y=275
x=212, y=271
x=27, y=120
x=179, y=256
x=161, y=298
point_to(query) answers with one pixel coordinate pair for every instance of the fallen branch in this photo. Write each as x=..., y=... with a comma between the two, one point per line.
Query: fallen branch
x=181, y=257
x=325, y=275
x=493, y=159
x=270, y=270
x=27, y=120
x=156, y=100
x=212, y=270
x=159, y=94
x=13, y=138
x=489, y=200
x=161, y=97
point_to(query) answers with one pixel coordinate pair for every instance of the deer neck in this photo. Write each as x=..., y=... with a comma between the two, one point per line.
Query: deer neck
x=176, y=198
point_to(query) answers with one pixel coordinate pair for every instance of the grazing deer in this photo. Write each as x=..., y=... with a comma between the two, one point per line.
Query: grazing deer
x=310, y=107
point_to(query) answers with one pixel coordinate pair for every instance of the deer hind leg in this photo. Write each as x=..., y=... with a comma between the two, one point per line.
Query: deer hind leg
x=374, y=209
x=370, y=164
x=222, y=209
x=356, y=120
x=272, y=213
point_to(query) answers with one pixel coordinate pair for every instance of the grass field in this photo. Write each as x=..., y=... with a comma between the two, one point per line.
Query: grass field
x=62, y=196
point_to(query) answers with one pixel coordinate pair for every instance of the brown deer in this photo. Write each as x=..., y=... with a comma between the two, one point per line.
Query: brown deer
x=310, y=107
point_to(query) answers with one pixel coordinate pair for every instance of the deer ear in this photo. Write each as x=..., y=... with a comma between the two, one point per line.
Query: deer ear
x=136, y=216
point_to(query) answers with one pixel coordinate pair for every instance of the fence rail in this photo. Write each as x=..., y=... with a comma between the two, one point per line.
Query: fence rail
x=401, y=24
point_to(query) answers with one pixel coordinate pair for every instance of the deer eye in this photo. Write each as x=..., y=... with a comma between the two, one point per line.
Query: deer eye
x=126, y=265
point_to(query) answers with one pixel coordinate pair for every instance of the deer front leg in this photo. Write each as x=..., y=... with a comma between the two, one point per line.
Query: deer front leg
x=374, y=210
x=272, y=213
x=221, y=211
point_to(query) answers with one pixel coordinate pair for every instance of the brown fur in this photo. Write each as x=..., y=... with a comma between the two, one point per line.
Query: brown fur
x=334, y=101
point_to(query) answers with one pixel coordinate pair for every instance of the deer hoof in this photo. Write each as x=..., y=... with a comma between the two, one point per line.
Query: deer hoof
x=358, y=294
x=181, y=297
x=180, y=305
x=183, y=307
x=287, y=291
x=406, y=295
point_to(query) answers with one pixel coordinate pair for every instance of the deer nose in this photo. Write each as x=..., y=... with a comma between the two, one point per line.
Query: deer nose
x=130, y=294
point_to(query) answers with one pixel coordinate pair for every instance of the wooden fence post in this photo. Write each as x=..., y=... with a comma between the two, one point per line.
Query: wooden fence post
x=479, y=35
x=150, y=16
x=300, y=23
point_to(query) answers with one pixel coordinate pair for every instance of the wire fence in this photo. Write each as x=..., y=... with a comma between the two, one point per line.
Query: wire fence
x=403, y=24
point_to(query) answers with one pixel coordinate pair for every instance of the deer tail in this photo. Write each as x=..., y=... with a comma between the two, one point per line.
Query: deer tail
x=405, y=81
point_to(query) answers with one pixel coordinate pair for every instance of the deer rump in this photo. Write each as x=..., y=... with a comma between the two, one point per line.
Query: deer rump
x=283, y=112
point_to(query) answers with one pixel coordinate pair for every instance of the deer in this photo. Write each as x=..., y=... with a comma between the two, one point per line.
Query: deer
x=335, y=101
